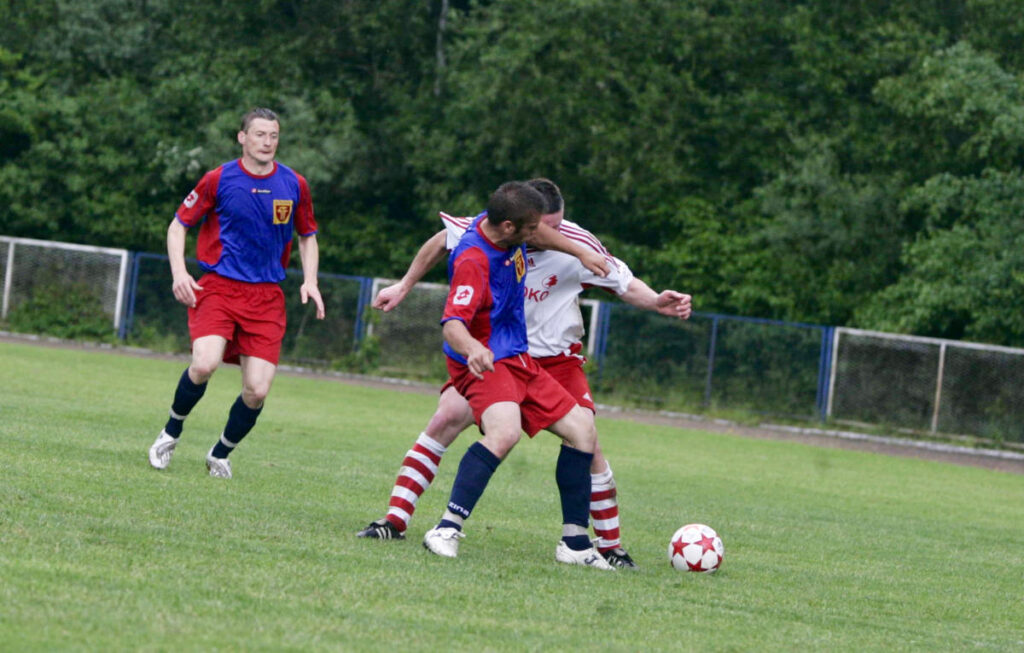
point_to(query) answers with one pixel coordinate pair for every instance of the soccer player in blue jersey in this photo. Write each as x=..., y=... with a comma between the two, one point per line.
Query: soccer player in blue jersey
x=484, y=328
x=247, y=211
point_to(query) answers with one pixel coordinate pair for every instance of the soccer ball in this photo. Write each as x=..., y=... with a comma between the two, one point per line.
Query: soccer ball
x=696, y=547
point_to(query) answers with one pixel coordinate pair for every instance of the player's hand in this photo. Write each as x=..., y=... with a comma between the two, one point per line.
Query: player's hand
x=184, y=287
x=312, y=291
x=674, y=304
x=595, y=262
x=480, y=360
x=390, y=297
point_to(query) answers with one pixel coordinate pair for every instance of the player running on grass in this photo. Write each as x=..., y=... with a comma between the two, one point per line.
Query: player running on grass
x=554, y=330
x=247, y=210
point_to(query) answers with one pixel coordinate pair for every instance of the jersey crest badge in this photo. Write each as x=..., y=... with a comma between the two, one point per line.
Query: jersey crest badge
x=517, y=258
x=191, y=200
x=282, y=211
x=463, y=295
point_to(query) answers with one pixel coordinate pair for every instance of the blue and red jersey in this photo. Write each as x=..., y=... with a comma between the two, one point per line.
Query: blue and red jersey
x=486, y=285
x=247, y=220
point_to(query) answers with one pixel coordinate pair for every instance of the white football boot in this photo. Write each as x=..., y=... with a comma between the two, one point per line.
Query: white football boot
x=443, y=541
x=160, y=452
x=219, y=467
x=587, y=557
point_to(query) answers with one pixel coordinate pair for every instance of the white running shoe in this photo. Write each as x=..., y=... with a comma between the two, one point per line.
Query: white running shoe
x=160, y=452
x=219, y=467
x=443, y=541
x=587, y=557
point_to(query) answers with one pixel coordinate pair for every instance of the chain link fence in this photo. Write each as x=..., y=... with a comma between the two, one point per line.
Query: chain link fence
x=927, y=384
x=63, y=288
x=713, y=362
x=157, y=320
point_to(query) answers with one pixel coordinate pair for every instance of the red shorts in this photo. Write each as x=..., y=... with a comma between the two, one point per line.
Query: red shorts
x=568, y=371
x=542, y=401
x=250, y=316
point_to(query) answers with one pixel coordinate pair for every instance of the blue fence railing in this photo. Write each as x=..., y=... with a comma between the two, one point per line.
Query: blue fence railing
x=711, y=360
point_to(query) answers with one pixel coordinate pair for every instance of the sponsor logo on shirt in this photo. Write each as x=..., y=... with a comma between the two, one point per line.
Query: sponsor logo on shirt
x=550, y=281
x=463, y=295
x=260, y=191
x=534, y=295
x=192, y=198
x=517, y=258
x=282, y=211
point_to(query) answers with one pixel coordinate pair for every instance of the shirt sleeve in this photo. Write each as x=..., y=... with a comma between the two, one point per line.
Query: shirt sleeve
x=454, y=227
x=200, y=201
x=468, y=287
x=619, y=276
x=305, y=221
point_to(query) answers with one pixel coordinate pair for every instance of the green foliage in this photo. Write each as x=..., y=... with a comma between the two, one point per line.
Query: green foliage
x=762, y=155
x=965, y=269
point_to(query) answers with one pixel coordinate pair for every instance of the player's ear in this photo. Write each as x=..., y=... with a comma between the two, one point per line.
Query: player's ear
x=241, y=138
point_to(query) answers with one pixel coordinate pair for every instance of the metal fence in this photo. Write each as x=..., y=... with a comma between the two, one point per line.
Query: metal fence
x=409, y=337
x=927, y=384
x=711, y=361
x=154, y=316
x=91, y=280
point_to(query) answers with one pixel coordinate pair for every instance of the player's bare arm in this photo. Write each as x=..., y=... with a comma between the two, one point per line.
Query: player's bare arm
x=432, y=252
x=668, y=302
x=479, y=359
x=182, y=285
x=309, y=251
x=546, y=237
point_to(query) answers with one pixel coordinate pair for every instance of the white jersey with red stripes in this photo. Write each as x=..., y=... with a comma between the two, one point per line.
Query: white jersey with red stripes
x=554, y=281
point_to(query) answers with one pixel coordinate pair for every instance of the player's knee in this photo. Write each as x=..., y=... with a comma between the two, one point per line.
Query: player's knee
x=445, y=427
x=581, y=432
x=500, y=442
x=256, y=392
x=202, y=369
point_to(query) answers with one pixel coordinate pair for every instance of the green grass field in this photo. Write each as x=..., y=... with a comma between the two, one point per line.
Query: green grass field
x=825, y=549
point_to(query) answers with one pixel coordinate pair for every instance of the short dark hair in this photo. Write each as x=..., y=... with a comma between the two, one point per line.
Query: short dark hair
x=515, y=201
x=553, y=201
x=258, y=112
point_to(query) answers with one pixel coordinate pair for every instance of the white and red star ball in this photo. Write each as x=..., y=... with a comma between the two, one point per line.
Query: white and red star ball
x=696, y=547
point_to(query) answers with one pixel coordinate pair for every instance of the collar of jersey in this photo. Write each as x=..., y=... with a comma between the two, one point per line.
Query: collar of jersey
x=253, y=176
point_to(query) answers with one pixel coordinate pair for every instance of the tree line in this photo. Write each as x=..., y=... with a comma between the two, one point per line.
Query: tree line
x=854, y=163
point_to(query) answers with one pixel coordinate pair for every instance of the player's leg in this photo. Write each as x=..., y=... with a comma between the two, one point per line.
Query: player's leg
x=258, y=315
x=420, y=465
x=501, y=423
x=548, y=405
x=257, y=377
x=604, y=507
x=572, y=475
x=207, y=352
x=604, y=513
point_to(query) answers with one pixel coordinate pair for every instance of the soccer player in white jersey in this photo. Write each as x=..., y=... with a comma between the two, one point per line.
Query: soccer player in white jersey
x=554, y=329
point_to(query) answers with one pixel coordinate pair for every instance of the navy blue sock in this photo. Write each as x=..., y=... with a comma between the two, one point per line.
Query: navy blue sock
x=577, y=542
x=186, y=396
x=241, y=419
x=475, y=471
x=572, y=474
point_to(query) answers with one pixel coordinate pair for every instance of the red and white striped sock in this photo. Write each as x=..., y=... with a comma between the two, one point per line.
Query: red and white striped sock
x=604, y=510
x=414, y=477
